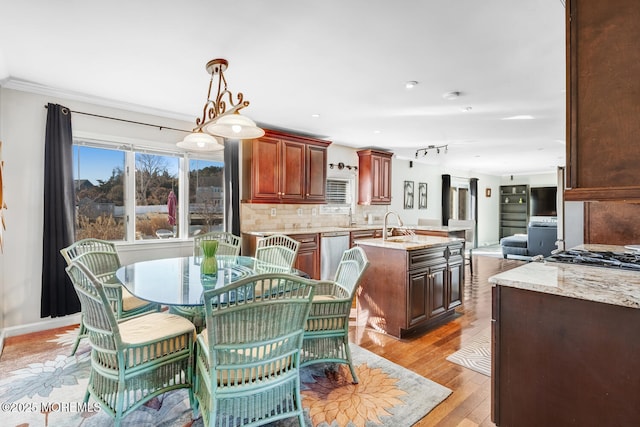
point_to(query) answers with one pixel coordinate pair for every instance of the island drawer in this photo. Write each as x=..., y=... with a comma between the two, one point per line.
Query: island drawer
x=426, y=257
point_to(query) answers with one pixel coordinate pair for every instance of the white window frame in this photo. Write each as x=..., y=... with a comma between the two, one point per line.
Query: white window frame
x=132, y=146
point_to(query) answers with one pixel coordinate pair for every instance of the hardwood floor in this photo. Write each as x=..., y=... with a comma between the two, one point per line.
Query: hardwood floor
x=470, y=403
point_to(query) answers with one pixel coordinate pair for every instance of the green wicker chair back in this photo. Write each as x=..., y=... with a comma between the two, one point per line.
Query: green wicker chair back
x=80, y=247
x=102, y=260
x=135, y=360
x=326, y=337
x=228, y=244
x=276, y=251
x=247, y=369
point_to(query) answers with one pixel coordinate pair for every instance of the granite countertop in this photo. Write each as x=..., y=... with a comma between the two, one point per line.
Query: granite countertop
x=312, y=230
x=409, y=243
x=356, y=227
x=598, y=284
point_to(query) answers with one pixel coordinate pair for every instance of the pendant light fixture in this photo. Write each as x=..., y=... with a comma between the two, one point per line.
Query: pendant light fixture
x=220, y=115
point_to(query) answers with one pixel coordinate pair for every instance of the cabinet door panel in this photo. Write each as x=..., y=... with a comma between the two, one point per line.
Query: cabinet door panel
x=293, y=170
x=385, y=179
x=456, y=274
x=376, y=178
x=266, y=177
x=316, y=173
x=417, y=295
x=437, y=291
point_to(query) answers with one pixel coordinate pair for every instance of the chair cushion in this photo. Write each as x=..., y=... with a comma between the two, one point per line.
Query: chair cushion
x=129, y=302
x=154, y=326
x=323, y=297
x=518, y=241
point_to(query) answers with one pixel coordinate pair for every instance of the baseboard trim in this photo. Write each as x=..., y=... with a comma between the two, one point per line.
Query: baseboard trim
x=57, y=322
x=1, y=341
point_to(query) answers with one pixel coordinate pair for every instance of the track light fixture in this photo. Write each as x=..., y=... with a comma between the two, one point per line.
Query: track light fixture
x=220, y=115
x=438, y=148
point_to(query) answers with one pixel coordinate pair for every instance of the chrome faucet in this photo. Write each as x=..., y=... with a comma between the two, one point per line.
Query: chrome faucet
x=385, y=230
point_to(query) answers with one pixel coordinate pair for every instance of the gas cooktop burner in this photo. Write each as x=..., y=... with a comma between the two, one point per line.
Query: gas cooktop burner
x=623, y=260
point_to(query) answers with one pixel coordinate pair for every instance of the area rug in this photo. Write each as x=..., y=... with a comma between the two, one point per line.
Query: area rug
x=45, y=387
x=475, y=355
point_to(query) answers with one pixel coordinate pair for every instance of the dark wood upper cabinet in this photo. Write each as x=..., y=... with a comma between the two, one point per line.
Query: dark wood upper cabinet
x=374, y=177
x=284, y=168
x=603, y=100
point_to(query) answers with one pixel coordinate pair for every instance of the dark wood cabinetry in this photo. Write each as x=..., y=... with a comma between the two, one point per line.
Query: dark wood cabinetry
x=602, y=117
x=405, y=291
x=560, y=361
x=603, y=104
x=284, y=168
x=514, y=209
x=308, y=259
x=374, y=177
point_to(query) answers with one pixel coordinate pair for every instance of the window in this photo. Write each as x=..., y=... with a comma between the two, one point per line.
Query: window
x=99, y=185
x=132, y=193
x=206, y=196
x=156, y=184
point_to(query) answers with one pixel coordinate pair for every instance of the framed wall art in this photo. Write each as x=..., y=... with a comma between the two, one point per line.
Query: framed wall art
x=422, y=195
x=408, y=194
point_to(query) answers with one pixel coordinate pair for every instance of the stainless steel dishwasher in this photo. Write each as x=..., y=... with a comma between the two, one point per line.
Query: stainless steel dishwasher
x=332, y=246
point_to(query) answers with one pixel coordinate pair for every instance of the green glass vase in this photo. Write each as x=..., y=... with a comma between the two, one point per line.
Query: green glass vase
x=209, y=264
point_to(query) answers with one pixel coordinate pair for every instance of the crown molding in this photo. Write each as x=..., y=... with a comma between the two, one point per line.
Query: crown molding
x=37, y=88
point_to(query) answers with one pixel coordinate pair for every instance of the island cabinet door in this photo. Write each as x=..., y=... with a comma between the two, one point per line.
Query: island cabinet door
x=417, y=297
x=437, y=296
x=456, y=280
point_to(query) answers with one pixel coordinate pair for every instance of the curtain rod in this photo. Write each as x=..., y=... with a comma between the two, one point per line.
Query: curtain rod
x=127, y=121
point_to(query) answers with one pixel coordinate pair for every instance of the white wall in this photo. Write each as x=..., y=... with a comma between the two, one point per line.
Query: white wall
x=432, y=175
x=23, y=118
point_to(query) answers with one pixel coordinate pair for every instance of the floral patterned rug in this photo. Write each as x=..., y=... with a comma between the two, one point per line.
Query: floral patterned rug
x=41, y=385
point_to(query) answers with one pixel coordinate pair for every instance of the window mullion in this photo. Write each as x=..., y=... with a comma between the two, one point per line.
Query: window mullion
x=130, y=195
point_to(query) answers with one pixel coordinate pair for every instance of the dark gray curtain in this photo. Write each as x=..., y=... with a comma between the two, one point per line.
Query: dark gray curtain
x=58, y=296
x=446, y=198
x=232, y=186
x=473, y=189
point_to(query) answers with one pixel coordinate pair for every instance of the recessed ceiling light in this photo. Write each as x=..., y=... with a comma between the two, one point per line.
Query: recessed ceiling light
x=410, y=84
x=466, y=109
x=376, y=131
x=520, y=117
x=451, y=95
x=315, y=116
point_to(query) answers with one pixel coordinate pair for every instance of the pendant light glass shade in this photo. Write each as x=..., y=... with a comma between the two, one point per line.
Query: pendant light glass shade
x=199, y=141
x=234, y=126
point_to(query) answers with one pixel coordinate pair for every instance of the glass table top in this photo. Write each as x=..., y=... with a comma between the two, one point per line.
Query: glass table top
x=178, y=281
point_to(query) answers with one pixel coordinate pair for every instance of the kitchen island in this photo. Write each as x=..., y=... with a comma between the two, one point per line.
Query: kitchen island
x=412, y=283
x=565, y=345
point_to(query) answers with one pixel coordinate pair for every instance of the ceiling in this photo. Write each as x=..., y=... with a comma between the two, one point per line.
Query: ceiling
x=346, y=61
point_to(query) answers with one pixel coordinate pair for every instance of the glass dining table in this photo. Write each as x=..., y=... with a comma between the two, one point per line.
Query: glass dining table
x=179, y=282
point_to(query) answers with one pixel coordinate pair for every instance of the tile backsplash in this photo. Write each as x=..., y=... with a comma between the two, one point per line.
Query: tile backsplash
x=265, y=217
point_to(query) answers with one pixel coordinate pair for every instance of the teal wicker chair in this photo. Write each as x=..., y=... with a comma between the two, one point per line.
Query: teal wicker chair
x=134, y=360
x=247, y=358
x=228, y=244
x=326, y=336
x=103, y=263
x=276, y=253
